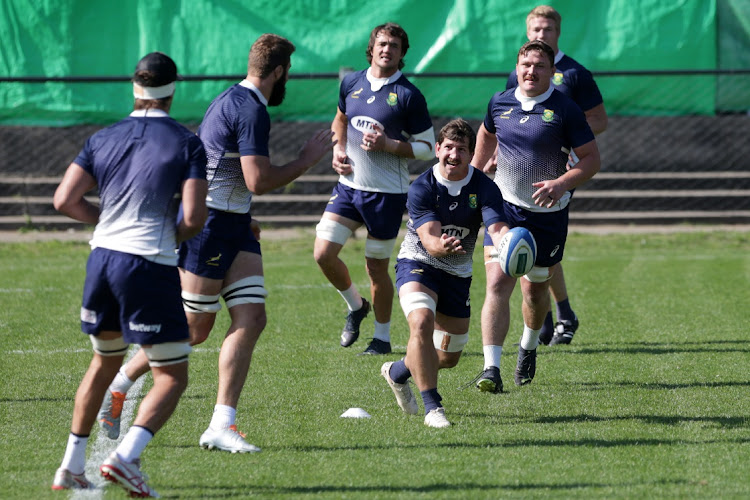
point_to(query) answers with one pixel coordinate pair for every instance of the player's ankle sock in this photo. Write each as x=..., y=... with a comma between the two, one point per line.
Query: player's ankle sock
x=134, y=443
x=564, y=311
x=399, y=372
x=223, y=417
x=121, y=382
x=530, y=338
x=352, y=298
x=492, y=355
x=382, y=331
x=431, y=400
x=75, y=454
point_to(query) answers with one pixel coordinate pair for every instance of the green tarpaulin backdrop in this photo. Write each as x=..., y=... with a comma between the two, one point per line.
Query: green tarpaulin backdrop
x=64, y=38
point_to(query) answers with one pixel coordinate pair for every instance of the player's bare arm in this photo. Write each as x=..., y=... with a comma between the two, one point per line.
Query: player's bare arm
x=261, y=177
x=194, y=211
x=436, y=243
x=497, y=231
x=69, y=200
x=597, y=119
x=486, y=144
x=549, y=192
x=340, y=161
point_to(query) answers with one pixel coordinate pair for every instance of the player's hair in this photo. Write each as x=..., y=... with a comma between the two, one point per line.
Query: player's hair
x=547, y=12
x=268, y=52
x=537, y=46
x=458, y=130
x=392, y=29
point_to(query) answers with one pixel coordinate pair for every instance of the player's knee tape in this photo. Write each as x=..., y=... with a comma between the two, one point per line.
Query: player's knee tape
x=379, y=249
x=416, y=300
x=449, y=342
x=168, y=353
x=197, y=303
x=113, y=347
x=537, y=274
x=248, y=290
x=332, y=231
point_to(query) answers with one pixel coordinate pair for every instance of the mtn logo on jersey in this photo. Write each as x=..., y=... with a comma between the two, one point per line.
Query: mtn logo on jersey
x=392, y=99
x=355, y=94
x=557, y=79
x=506, y=115
x=548, y=115
x=456, y=231
x=366, y=124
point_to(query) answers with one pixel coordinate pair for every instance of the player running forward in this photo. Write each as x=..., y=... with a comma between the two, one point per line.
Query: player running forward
x=576, y=82
x=535, y=127
x=447, y=206
x=142, y=165
x=224, y=260
x=381, y=122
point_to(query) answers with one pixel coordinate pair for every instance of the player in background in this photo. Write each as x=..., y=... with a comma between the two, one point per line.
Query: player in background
x=447, y=206
x=575, y=81
x=131, y=294
x=381, y=122
x=535, y=127
x=224, y=260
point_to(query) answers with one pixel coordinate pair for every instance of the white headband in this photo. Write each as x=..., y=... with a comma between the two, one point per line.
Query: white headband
x=147, y=93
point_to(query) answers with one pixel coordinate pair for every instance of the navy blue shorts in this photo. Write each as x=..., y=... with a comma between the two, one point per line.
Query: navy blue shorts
x=211, y=252
x=381, y=213
x=452, y=291
x=550, y=231
x=128, y=293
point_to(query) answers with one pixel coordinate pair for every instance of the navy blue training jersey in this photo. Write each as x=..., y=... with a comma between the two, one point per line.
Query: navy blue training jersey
x=399, y=109
x=139, y=164
x=236, y=124
x=476, y=199
x=534, y=142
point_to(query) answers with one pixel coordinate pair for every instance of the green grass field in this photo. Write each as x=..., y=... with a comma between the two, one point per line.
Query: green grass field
x=650, y=401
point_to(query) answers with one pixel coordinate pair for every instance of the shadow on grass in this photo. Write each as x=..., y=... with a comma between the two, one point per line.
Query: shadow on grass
x=460, y=489
x=597, y=386
x=712, y=346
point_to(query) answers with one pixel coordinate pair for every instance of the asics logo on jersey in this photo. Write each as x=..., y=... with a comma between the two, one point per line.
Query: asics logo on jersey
x=453, y=206
x=554, y=251
x=505, y=116
x=524, y=119
x=213, y=261
x=468, y=302
x=355, y=94
x=371, y=99
x=365, y=123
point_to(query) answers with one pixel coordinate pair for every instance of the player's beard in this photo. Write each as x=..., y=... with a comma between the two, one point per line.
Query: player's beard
x=278, y=92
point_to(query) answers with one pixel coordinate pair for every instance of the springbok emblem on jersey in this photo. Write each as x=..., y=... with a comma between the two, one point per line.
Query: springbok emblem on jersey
x=548, y=115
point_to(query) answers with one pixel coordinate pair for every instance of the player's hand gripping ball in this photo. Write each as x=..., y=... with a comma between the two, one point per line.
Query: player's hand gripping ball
x=516, y=252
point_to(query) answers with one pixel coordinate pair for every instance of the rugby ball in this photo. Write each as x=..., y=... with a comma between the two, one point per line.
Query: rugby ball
x=516, y=252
